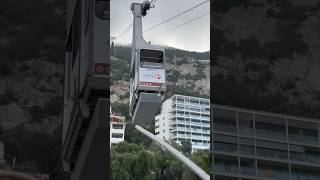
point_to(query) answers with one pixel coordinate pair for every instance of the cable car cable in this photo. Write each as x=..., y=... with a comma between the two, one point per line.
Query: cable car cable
x=176, y=16
x=181, y=24
x=123, y=32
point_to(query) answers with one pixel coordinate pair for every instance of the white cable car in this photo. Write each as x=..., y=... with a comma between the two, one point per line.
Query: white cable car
x=87, y=62
x=148, y=75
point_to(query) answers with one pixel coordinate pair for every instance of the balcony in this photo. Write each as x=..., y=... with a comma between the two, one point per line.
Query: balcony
x=305, y=158
x=270, y=134
x=305, y=175
x=225, y=147
x=272, y=153
x=273, y=173
x=248, y=170
x=245, y=130
x=301, y=138
x=194, y=104
x=200, y=137
x=224, y=168
x=183, y=136
x=225, y=127
x=183, y=129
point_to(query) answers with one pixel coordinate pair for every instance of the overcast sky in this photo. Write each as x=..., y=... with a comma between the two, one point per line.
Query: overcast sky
x=194, y=36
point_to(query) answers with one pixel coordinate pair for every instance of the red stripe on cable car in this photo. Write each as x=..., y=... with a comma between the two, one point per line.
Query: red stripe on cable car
x=150, y=83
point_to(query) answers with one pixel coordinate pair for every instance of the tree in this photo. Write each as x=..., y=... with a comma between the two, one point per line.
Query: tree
x=133, y=136
x=186, y=146
x=131, y=161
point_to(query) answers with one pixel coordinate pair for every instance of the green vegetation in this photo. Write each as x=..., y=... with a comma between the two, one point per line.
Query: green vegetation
x=37, y=149
x=172, y=52
x=139, y=158
x=53, y=107
x=32, y=29
x=136, y=162
x=37, y=113
x=224, y=6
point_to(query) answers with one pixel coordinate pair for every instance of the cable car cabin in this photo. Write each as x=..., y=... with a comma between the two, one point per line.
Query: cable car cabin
x=148, y=78
x=87, y=60
x=148, y=84
x=87, y=49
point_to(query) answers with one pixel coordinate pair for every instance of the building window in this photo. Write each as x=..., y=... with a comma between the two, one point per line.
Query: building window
x=303, y=131
x=304, y=153
x=272, y=149
x=245, y=123
x=247, y=166
x=246, y=146
x=274, y=170
x=224, y=120
x=304, y=173
x=226, y=164
x=225, y=143
x=272, y=127
x=117, y=126
x=117, y=135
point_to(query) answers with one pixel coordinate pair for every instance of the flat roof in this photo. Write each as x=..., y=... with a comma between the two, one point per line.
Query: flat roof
x=116, y=119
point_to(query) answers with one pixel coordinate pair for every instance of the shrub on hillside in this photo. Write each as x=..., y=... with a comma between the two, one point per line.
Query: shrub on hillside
x=7, y=98
x=37, y=113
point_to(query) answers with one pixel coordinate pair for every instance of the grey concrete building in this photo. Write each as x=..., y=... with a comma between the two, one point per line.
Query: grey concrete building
x=248, y=144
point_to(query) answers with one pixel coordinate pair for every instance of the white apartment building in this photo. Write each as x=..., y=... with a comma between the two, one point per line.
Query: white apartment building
x=185, y=117
x=117, y=129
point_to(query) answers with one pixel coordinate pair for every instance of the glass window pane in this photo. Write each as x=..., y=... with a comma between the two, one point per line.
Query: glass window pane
x=224, y=120
x=271, y=127
x=245, y=123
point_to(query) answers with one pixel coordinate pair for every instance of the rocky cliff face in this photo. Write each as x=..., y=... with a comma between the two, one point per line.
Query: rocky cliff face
x=31, y=54
x=32, y=96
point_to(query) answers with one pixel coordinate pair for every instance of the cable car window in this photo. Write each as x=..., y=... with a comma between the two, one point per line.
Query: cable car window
x=151, y=56
x=133, y=72
x=117, y=135
x=87, y=14
x=102, y=9
x=76, y=34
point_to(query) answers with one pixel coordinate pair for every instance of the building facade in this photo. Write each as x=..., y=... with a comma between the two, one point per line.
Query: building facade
x=185, y=118
x=117, y=129
x=251, y=145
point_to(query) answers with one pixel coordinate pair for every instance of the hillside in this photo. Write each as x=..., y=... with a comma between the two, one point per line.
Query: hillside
x=267, y=55
x=183, y=75
x=31, y=83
